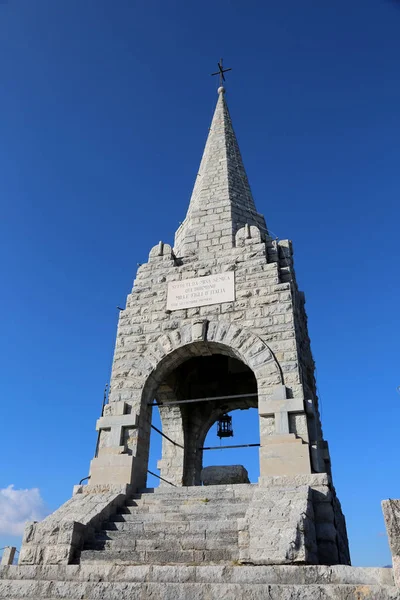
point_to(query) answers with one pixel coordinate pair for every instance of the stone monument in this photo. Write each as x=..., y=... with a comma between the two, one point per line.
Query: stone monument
x=214, y=323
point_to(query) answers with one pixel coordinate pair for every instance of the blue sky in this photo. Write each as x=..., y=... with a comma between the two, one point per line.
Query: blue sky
x=105, y=107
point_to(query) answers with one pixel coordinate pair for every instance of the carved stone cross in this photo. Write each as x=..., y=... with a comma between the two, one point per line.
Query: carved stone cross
x=280, y=406
x=116, y=423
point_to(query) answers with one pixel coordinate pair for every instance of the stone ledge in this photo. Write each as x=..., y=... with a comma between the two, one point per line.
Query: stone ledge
x=58, y=590
x=268, y=574
x=312, y=479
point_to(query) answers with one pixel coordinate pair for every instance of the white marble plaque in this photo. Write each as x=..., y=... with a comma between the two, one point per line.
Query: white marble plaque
x=201, y=291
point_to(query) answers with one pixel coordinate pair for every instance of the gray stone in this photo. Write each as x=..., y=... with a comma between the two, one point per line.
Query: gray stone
x=59, y=538
x=8, y=555
x=391, y=513
x=204, y=583
x=223, y=475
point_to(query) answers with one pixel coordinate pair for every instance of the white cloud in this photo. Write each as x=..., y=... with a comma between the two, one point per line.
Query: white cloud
x=19, y=506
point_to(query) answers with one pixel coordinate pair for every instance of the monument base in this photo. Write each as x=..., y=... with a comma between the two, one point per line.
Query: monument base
x=281, y=520
x=101, y=581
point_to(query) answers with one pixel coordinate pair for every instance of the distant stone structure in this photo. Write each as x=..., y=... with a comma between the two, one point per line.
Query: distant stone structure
x=8, y=555
x=214, y=324
x=391, y=513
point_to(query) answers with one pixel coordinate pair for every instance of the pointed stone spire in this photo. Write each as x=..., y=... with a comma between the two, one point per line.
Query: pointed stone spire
x=221, y=201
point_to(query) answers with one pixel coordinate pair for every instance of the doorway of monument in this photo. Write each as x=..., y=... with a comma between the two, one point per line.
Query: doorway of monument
x=191, y=398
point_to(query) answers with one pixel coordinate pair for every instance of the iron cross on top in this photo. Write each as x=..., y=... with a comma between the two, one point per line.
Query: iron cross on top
x=221, y=72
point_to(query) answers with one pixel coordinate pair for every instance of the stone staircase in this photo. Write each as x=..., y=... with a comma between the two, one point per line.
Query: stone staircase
x=190, y=525
x=182, y=544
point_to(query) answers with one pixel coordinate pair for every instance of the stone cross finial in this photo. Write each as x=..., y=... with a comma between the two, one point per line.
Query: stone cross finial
x=221, y=72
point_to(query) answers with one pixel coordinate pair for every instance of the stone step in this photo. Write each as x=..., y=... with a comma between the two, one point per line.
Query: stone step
x=142, y=517
x=202, y=513
x=121, y=555
x=183, y=540
x=273, y=511
x=214, y=491
x=71, y=590
x=180, y=501
x=186, y=508
x=170, y=527
x=267, y=574
x=177, y=506
x=241, y=488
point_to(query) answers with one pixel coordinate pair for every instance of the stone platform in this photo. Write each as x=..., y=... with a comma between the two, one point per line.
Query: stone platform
x=243, y=541
x=283, y=520
x=185, y=582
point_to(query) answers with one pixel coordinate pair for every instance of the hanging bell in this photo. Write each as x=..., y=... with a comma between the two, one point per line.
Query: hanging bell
x=224, y=428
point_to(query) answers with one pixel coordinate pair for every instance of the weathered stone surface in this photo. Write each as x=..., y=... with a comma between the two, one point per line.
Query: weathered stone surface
x=59, y=538
x=391, y=513
x=269, y=574
x=8, y=555
x=112, y=582
x=223, y=475
x=279, y=528
x=221, y=523
x=193, y=524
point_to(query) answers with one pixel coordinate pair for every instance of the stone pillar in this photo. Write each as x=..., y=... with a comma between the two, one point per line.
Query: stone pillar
x=282, y=453
x=172, y=462
x=114, y=461
x=391, y=513
x=8, y=555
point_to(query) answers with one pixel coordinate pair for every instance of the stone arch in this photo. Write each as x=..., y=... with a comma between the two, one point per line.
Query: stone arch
x=169, y=350
x=194, y=339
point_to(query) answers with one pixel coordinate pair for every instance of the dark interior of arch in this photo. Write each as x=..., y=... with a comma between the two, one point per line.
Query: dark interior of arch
x=205, y=377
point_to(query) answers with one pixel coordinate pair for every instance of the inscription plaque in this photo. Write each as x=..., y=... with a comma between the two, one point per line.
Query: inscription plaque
x=201, y=291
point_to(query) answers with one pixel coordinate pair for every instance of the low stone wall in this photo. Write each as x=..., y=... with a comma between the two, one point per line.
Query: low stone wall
x=58, y=539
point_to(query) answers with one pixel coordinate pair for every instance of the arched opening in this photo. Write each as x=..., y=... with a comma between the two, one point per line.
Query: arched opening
x=192, y=395
x=246, y=430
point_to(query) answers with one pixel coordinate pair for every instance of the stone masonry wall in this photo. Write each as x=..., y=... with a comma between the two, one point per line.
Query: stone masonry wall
x=264, y=306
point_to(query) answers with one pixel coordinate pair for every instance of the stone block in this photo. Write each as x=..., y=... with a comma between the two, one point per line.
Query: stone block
x=111, y=469
x=8, y=555
x=279, y=456
x=278, y=528
x=222, y=475
x=391, y=513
